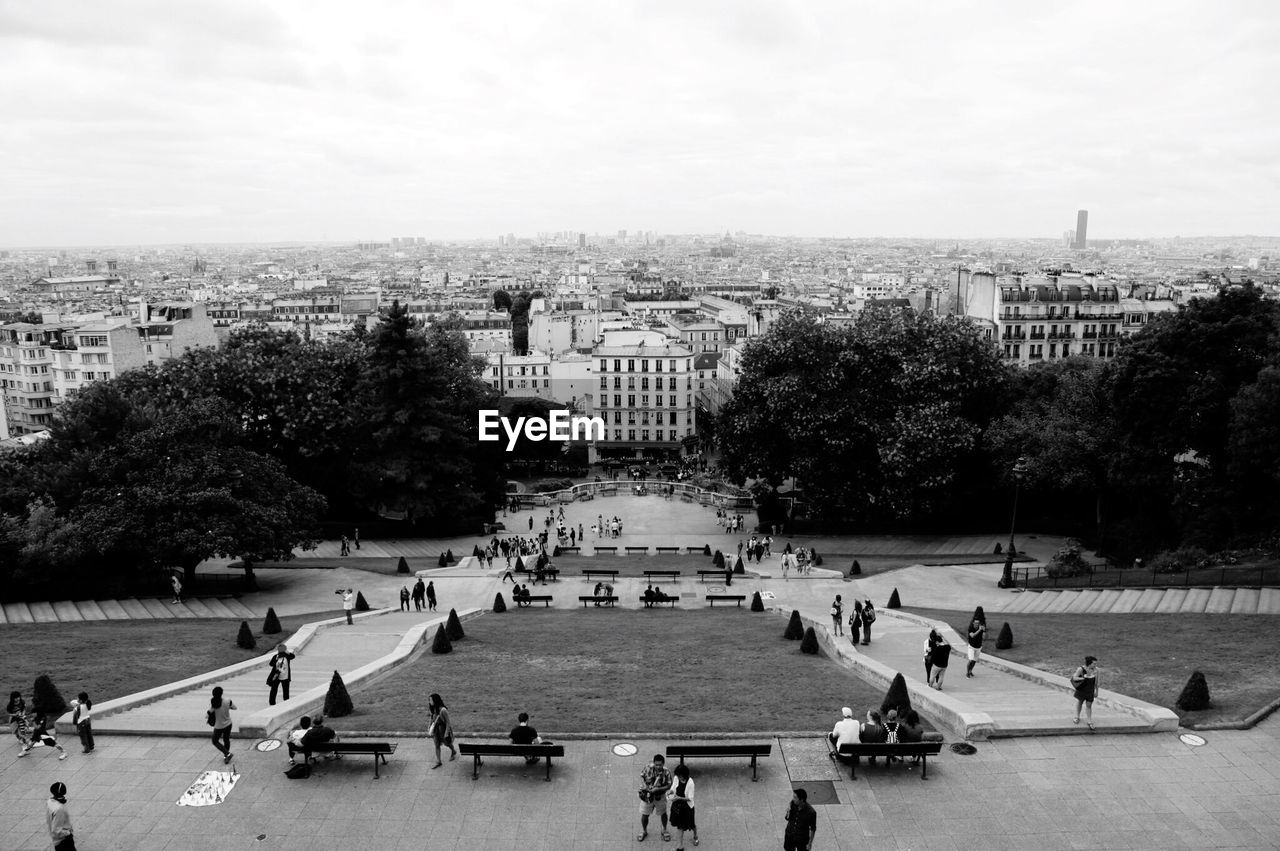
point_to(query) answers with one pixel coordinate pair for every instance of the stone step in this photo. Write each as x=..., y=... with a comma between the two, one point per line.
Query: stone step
x=66, y=611
x=43, y=612
x=1020, y=601
x=1105, y=599
x=197, y=606
x=1245, y=601
x=90, y=610
x=1043, y=600
x=1063, y=602
x=135, y=609
x=1083, y=600
x=1196, y=600
x=218, y=608
x=1150, y=600
x=154, y=608
x=18, y=613
x=176, y=610
x=1126, y=602
x=1269, y=601
x=1171, y=601
x=1220, y=600
x=240, y=610
x=3, y=618
x=113, y=610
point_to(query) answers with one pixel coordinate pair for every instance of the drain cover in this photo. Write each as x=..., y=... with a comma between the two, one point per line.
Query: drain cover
x=1192, y=739
x=267, y=745
x=964, y=749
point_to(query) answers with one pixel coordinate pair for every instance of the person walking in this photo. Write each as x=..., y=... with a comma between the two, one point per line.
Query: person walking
x=404, y=598
x=837, y=616
x=348, y=603
x=419, y=595
x=42, y=735
x=1085, y=680
x=941, y=657
x=18, y=724
x=802, y=823
x=868, y=618
x=344, y=548
x=58, y=819
x=440, y=729
x=177, y=588
x=977, y=632
x=431, y=596
x=281, y=673
x=219, y=717
x=653, y=796
x=355, y=536
x=680, y=804
x=82, y=717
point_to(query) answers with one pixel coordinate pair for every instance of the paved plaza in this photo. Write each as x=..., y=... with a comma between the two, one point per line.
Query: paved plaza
x=1070, y=790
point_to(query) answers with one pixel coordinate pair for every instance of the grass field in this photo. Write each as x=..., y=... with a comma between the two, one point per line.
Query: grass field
x=619, y=671
x=110, y=659
x=1149, y=657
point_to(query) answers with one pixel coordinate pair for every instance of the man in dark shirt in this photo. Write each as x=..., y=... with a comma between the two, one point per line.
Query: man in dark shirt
x=802, y=823
x=523, y=734
x=319, y=734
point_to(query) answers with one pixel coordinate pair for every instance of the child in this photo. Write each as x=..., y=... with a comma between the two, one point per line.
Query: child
x=17, y=710
x=83, y=719
x=42, y=735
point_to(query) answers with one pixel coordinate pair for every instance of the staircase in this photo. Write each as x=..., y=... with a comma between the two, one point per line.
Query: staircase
x=1074, y=601
x=133, y=608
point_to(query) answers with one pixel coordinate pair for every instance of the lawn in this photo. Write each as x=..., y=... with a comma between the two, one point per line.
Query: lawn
x=1149, y=656
x=111, y=659
x=623, y=671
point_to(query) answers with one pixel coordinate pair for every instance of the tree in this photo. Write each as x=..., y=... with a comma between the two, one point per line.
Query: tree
x=245, y=639
x=894, y=601
x=441, y=642
x=499, y=604
x=271, y=625
x=362, y=605
x=897, y=697
x=1005, y=639
x=795, y=627
x=978, y=615
x=757, y=604
x=809, y=644
x=402, y=566
x=453, y=626
x=501, y=300
x=337, y=702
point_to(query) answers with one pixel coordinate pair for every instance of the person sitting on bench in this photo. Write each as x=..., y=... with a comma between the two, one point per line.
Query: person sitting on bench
x=319, y=734
x=845, y=732
x=911, y=730
x=598, y=592
x=294, y=741
x=521, y=596
x=523, y=734
x=873, y=732
x=659, y=597
x=649, y=597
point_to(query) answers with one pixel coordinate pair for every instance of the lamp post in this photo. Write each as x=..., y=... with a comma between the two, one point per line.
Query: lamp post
x=1019, y=470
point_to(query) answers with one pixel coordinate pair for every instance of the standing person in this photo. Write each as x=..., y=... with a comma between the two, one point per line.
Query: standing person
x=977, y=632
x=653, y=797
x=802, y=823
x=42, y=735
x=177, y=587
x=420, y=593
x=941, y=657
x=17, y=710
x=855, y=623
x=930, y=640
x=680, y=800
x=1085, y=680
x=441, y=729
x=58, y=819
x=219, y=716
x=355, y=536
x=281, y=673
x=345, y=548
x=404, y=598
x=837, y=616
x=348, y=602
x=868, y=618
x=82, y=717
x=530, y=522
x=431, y=596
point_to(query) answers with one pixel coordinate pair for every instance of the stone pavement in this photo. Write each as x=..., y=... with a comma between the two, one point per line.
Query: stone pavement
x=144, y=608
x=1096, y=793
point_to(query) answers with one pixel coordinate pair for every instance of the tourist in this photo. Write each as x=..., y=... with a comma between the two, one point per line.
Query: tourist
x=941, y=656
x=42, y=735
x=82, y=717
x=977, y=631
x=892, y=728
x=930, y=641
x=653, y=796
x=911, y=730
x=355, y=536
x=1085, y=680
x=295, y=737
x=344, y=548
x=318, y=734
x=680, y=802
x=420, y=594
x=18, y=724
x=58, y=819
x=802, y=823
x=873, y=732
x=404, y=598
x=868, y=618
x=648, y=597
x=281, y=673
x=431, y=596
x=845, y=732
x=837, y=616
x=523, y=734
x=440, y=730
x=855, y=623
x=177, y=588
x=348, y=602
x=219, y=717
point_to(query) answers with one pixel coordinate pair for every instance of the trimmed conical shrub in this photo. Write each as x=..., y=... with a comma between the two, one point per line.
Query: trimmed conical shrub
x=718, y=560
x=999, y=548
x=1005, y=639
x=271, y=624
x=897, y=697
x=855, y=569
x=706, y=550
x=817, y=559
x=895, y=602
x=555, y=553
x=795, y=627
x=46, y=698
x=361, y=604
x=443, y=561
x=441, y=643
x=448, y=555
x=978, y=615
x=738, y=566
x=402, y=566
x=1195, y=695
x=453, y=626
x=499, y=604
x=519, y=564
x=757, y=604
x=809, y=644
x=245, y=637
x=337, y=703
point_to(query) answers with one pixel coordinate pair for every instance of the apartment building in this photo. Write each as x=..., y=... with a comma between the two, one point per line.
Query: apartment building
x=645, y=394
x=698, y=333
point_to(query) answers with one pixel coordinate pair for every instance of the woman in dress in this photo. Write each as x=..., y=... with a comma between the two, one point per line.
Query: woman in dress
x=220, y=711
x=855, y=623
x=1086, y=679
x=440, y=730
x=682, y=814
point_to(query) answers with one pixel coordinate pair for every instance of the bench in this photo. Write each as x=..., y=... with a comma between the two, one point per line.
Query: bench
x=693, y=550
x=592, y=573
x=553, y=572
x=703, y=574
x=573, y=550
x=664, y=574
x=610, y=550
x=598, y=600
x=666, y=599
x=743, y=749
x=923, y=750
x=479, y=750
x=633, y=550
x=379, y=750
x=522, y=602
x=738, y=598
x=667, y=549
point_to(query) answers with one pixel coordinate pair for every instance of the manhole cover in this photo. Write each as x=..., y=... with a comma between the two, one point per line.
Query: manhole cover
x=624, y=749
x=964, y=749
x=1192, y=740
x=267, y=745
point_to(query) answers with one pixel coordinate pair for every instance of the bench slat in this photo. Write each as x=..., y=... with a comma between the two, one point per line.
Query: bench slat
x=752, y=750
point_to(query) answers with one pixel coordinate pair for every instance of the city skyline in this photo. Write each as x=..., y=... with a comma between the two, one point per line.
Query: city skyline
x=241, y=123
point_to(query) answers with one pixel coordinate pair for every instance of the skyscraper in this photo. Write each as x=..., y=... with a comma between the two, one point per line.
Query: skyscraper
x=1082, y=228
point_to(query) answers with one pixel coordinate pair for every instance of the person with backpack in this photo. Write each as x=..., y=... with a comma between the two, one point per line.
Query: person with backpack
x=929, y=644
x=837, y=616
x=868, y=618
x=218, y=717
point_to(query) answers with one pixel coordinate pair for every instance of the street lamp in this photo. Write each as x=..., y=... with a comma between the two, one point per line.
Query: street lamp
x=1019, y=470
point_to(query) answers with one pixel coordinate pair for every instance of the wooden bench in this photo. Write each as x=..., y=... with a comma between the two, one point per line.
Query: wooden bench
x=633, y=550
x=607, y=574
x=666, y=549
x=598, y=600
x=923, y=750
x=738, y=598
x=663, y=574
x=379, y=750
x=574, y=550
x=726, y=750
x=692, y=550
x=553, y=572
x=479, y=750
x=703, y=574
x=523, y=602
x=610, y=550
x=666, y=599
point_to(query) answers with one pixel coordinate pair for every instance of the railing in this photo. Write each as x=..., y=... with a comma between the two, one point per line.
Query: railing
x=1109, y=575
x=640, y=487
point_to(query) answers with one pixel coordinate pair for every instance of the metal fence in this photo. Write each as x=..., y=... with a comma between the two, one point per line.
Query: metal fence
x=1109, y=575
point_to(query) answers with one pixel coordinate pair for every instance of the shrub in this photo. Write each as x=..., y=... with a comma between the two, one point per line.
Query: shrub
x=809, y=644
x=706, y=550
x=519, y=563
x=738, y=566
x=897, y=697
x=46, y=698
x=1005, y=639
x=979, y=615
x=894, y=601
x=453, y=626
x=817, y=559
x=245, y=637
x=476, y=552
x=337, y=703
x=999, y=548
x=402, y=566
x=855, y=569
x=1176, y=561
x=1195, y=695
x=1067, y=561
x=757, y=604
x=441, y=643
x=718, y=560
x=443, y=561
x=271, y=625
x=361, y=604
x=552, y=485
x=499, y=604
x=555, y=553
x=795, y=627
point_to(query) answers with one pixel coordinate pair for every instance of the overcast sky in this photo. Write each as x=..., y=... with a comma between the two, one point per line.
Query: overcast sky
x=141, y=121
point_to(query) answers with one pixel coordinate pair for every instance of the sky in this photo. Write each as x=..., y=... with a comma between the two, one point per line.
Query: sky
x=162, y=121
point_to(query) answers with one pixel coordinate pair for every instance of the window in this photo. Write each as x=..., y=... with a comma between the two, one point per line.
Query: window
x=617, y=383
x=604, y=382
x=631, y=417
x=617, y=417
x=671, y=418
x=631, y=401
x=657, y=366
x=673, y=400
x=644, y=418
x=617, y=365
x=604, y=364
x=631, y=366
x=93, y=341
x=644, y=384
x=617, y=400
x=631, y=383
x=546, y=382
x=617, y=434
x=644, y=365
x=644, y=401
x=631, y=434
x=671, y=383
x=672, y=435
x=704, y=337
x=644, y=435
x=671, y=366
